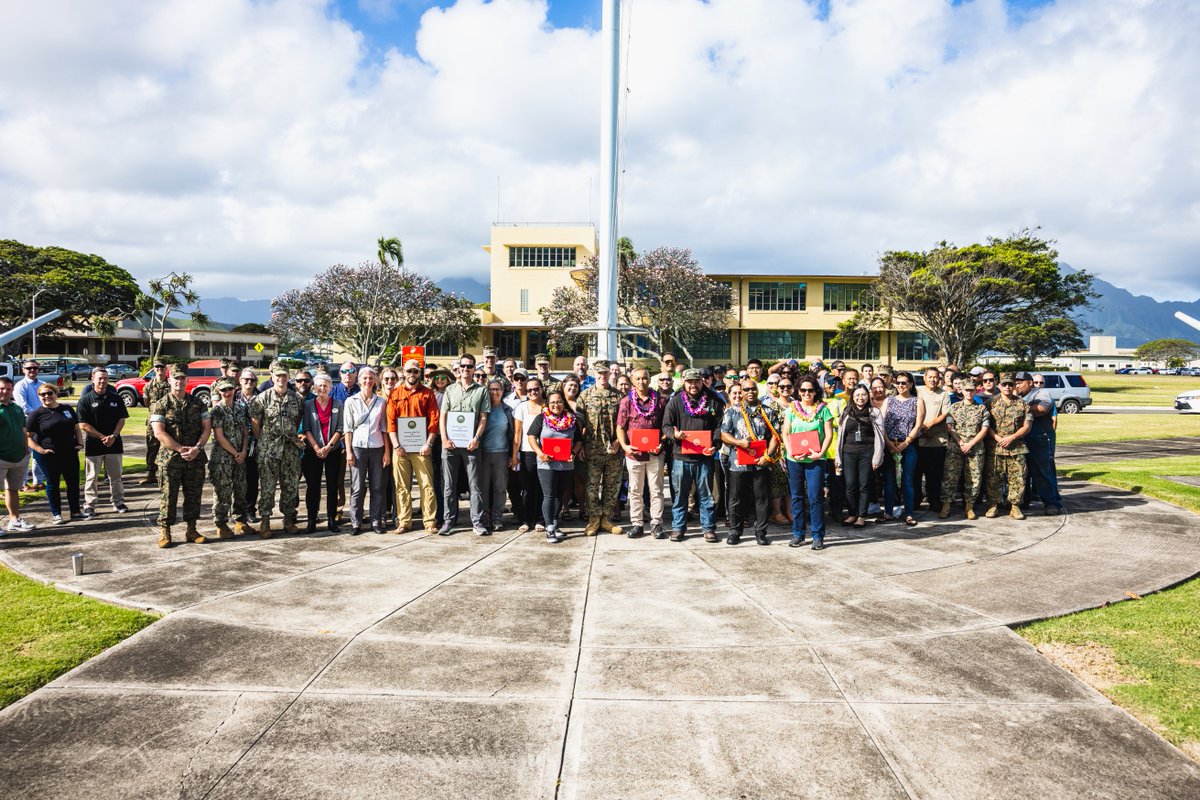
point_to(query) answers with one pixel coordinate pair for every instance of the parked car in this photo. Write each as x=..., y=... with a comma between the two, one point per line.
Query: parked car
x=1188, y=402
x=118, y=372
x=57, y=371
x=201, y=375
x=1069, y=390
x=80, y=371
x=1142, y=371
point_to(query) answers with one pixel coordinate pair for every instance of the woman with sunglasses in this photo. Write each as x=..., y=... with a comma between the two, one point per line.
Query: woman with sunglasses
x=496, y=458
x=226, y=462
x=247, y=391
x=806, y=469
x=557, y=421
x=577, y=487
x=903, y=416
x=775, y=407
x=531, y=489
x=859, y=451
x=53, y=433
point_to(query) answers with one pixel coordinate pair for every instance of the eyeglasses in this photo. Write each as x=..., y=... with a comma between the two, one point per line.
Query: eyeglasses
x=309, y=380
x=1007, y=383
x=1039, y=383
x=45, y=394
x=466, y=366
x=414, y=369
x=247, y=380
x=784, y=385
x=32, y=369
x=226, y=391
x=902, y=383
x=808, y=390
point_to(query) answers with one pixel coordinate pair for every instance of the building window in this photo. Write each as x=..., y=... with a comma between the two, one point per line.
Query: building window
x=535, y=342
x=441, y=347
x=507, y=343
x=541, y=257
x=915, y=347
x=775, y=344
x=714, y=346
x=776, y=296
x=868, y=353
x=723, y=295
x=524, y=301
x=850, y=297
x=203, y=348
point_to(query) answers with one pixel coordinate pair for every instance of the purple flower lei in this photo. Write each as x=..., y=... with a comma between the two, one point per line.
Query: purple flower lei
x=643, y=410
x=696, y=411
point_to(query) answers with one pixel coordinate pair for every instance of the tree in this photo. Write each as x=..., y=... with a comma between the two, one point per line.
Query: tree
x=1026, y=341
x=371, y=311
x=250, y=327
x=964, y=298
x=84, y=287
x=665, y=292
x=1172, y=352
x=168, y=293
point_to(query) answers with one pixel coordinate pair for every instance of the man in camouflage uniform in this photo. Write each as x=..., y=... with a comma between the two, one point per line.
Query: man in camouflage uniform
x=598, y=405
x=156, y=389
x=968, y=424
x=181, y=424
x=227, y=464
x=1011, y=420
x=494, y=372
x=275, y=417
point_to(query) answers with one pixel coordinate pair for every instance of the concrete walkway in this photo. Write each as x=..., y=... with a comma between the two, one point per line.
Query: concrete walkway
x=415, y=667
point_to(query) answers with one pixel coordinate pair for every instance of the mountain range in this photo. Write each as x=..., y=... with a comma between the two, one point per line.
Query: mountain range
x=1133, y=319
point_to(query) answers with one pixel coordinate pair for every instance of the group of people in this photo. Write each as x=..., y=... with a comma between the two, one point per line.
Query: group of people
x=679, y=446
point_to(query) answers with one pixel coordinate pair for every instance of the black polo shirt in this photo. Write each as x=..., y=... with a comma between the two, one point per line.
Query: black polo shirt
x=102, y=412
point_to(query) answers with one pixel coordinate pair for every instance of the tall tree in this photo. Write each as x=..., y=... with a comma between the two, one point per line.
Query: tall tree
x=371, y=311
x=964, y=298
x=1172, y=352
x=167, y=294
x=1028, y=340
x=664, y=292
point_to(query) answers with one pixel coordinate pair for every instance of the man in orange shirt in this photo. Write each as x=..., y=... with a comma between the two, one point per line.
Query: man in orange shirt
x=408, y=405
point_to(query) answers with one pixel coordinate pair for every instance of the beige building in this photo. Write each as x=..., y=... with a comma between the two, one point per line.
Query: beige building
x=183, y=338
x=772, y=317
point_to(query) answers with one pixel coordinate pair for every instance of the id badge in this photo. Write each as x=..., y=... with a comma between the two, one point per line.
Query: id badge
x=857, y=436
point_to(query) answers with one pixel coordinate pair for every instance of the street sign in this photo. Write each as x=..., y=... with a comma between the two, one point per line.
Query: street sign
x=413, y=351
x=259, y=347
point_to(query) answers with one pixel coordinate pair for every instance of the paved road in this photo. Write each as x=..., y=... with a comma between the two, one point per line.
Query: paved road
x=1075, y=454
x=417, y=667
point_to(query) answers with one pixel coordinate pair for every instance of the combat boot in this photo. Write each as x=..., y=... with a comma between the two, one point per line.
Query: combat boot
x=593, y=527
x=164, y=536
x=990, y=513
x=971, y=512
x=1015, y=512
x=945, y=512
x=224, y=531
x=612, y=528
x=240, y=528
x=289, y=525
x=264, y=528
x=193, y=535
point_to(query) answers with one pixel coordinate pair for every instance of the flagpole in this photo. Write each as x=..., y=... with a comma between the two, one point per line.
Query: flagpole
x=610, y=34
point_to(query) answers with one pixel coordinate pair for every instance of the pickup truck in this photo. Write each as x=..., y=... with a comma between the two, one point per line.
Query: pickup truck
x=201, y=375
x=47, y=374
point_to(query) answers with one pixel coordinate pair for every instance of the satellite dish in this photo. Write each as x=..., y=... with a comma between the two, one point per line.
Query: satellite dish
x=1184, y=318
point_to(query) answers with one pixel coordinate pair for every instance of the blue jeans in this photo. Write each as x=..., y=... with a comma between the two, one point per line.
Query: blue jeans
x=908, y=471
x=810, y=477
x=1040, y=468
x=685, y=474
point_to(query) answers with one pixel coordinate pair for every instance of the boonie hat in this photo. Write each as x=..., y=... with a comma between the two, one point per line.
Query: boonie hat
x=692, y=375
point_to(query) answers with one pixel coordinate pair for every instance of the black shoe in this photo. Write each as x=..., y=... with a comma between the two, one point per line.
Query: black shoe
x=635, y=532
x=377, y=527
x=734, y=537
x=818, y=543
x=355, y=530
x=658, y=532
x=1054, y=511
x=760, y=537
x=334, y=527
x=797, y=541
x=312, y=527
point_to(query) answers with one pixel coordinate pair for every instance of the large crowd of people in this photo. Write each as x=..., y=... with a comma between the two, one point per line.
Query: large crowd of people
x=718, y=450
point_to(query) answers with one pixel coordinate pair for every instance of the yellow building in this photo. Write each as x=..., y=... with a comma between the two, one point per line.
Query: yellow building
x=772, y=316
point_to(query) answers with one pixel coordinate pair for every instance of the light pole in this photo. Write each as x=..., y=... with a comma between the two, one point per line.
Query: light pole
x=33, y=315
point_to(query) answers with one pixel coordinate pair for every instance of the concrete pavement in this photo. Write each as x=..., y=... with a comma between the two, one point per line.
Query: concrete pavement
x=414, y=666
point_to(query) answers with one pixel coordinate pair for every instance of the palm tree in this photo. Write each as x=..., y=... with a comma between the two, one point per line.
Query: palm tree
x=390, y=247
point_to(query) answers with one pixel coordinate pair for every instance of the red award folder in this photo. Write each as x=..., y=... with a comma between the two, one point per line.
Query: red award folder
x=644, y=439
x=804, y=443
x=695, y=442
x=748, y=457
x=557, y=449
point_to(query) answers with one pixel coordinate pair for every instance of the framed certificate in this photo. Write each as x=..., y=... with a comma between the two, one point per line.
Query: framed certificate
x=749, y=456
x=644, y=439
x=411, y=432
x=557, y=449
x=804, y=443
x=694, y=443
x=460, y=427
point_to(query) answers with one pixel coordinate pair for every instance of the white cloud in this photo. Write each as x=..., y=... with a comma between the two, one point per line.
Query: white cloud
x=254, y=143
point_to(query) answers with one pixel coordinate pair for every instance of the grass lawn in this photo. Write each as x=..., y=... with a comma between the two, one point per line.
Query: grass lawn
x=1137, y=390
x=45, y=632
x=1143, y=654
x=1088, y=427
x=130, y=466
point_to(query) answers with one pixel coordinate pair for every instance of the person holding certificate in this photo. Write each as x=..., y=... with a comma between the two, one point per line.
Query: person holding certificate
x=639, y=425
x=464, y=412
x=412, y=422
x=554, y=437
x=691, y=420
x=807, y=429
x=747, y=429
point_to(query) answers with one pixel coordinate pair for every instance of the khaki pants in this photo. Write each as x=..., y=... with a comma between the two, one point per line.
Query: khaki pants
x=639, y=473
x=403, y=468
x=91, y=483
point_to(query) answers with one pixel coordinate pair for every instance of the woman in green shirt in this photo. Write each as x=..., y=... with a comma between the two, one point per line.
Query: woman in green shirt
x=806, y=469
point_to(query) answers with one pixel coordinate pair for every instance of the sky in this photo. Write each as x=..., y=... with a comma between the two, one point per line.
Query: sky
x=253, y=143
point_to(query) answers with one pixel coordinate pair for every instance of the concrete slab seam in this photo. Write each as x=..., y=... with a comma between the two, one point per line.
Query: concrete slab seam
x=587, y=593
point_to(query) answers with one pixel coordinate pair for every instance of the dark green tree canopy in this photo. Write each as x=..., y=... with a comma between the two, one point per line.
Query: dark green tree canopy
x=1172, y=352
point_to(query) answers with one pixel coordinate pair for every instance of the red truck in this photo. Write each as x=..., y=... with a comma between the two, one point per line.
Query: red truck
x=201, y=375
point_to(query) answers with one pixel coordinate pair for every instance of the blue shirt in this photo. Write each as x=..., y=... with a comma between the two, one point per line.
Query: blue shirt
x=498, y=430
x=339, y=391
x=25, y=394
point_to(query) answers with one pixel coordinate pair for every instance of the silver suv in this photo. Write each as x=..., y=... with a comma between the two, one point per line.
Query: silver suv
x=1069, y=391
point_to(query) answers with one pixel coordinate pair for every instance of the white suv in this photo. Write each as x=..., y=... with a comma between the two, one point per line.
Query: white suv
x=1069, y=391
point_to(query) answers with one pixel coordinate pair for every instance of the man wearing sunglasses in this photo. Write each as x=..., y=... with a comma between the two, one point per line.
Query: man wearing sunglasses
x=182, y=425
x=157, y=388
x=1011, y=421
x=409, y=403
x=275, y=417
x=466, y=397
x=1040, y=475
x=25, y=395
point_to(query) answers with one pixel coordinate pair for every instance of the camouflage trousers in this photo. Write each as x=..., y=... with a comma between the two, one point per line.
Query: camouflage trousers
x=151, y=452
x=967, y=466
x=176, y=475
x=1006, y=469
x=229, y=489
x=604, y=472
x=282, y=469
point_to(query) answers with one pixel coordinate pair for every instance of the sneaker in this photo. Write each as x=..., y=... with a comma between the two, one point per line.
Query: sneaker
x=57, y=519
x=121, y=508
x=87, y=513
x=497, y=527
x=445, y=530
x=20, y=525
x=551, y=536
x=482, y=532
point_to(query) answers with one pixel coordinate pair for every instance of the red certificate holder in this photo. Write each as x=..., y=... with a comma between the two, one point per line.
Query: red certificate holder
x=644, y=440
x=557, y=449
x=749, y=456
x=804, y=443
x=694, y=443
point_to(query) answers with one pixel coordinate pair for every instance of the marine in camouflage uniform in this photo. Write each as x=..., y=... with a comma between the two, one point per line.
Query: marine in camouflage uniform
x=1009, y=415
x=186, y=420
x=598, y=405
x=154, y=391
x=964, y=421
x=227, y=475
x=276, y=419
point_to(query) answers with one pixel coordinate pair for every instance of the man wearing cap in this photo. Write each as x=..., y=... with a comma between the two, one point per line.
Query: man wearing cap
x=182, y=426
x=968, y=426
x=1041, y=478
x=407, y=403
x=461, y=398
x=155, y=390
x=275, y=418
x=598, y=406
x=693, y=409
x=541, y=366
x=227, y=463
x=1011, y=422
x=642, y=409
x=102, y=416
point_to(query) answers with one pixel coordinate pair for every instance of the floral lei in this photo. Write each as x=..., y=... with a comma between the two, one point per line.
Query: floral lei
x=804, y=414
x=645, y=411
x=695, y=411
x=561, y=423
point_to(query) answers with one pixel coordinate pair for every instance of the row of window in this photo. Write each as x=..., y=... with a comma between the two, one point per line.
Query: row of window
x=541, y=257
x=793, y=296
x=207, y=349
